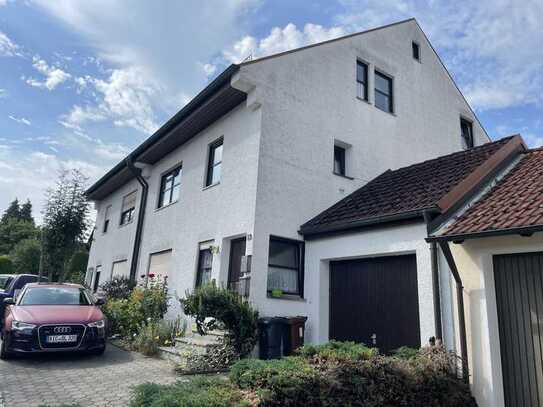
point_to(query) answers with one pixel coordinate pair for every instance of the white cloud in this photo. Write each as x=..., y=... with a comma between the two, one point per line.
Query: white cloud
x=7, y=47
x=81, y=115
x=209, y=69
x=20, y=120
x=279, y=40
x=3, y=93
x=159, y=41
x=54, y=76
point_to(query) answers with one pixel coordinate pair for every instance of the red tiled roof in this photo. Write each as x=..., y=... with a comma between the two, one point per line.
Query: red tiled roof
x=409, y=189
x=516, y=201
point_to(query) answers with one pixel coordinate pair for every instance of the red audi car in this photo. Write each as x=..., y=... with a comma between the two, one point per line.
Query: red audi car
x=52, y=318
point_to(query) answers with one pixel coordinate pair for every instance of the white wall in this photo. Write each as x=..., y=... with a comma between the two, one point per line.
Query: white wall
x=309, y=99
x=216, y=213
x=393, y=240
x=474, y=261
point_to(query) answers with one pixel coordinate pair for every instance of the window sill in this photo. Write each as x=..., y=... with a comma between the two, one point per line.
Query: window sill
x=166, y=206
x=342, y=176
x=288, y=297
x=125, y=224
x=384, y=111
x=364, y=100
x=211, y=186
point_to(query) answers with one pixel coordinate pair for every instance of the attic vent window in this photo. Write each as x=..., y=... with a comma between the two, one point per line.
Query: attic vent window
x=416, y=51
x=466, y=131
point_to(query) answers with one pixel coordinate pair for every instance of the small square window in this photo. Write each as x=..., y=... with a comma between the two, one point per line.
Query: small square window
x=416, y=50
x=339, y=160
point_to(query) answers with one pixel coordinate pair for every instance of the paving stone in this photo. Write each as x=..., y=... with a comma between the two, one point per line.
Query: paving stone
x=88, y=380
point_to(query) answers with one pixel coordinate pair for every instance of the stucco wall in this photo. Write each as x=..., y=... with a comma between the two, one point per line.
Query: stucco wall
x=475, y=265
x=309, y=99
x=201, y=214
x=397, y=240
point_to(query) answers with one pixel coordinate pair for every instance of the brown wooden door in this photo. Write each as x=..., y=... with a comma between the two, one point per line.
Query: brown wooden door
x=237, y=251
x=519, y=299
x=375, y=301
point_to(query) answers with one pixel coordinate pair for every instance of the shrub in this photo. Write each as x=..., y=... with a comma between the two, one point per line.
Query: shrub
x=26, y=256
x=199, y=392
x=217, y=358
x=215, y=307
x=337, y=351
x=144, y=305
x=118, y=288
x=406, y=353
x=6, y=265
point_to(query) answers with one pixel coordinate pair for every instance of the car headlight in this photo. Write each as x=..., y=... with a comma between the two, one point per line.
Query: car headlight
x=21, y=326
x=97, y=324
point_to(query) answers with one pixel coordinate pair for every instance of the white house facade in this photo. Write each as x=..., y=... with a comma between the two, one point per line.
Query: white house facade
x=220, y=191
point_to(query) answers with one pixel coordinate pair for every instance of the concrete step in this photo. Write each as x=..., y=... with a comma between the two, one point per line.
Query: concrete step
x=197, y=341
x=171, y=354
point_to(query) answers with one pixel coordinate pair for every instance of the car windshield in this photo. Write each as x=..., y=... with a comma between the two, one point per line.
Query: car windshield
x=4, y=281
x=55, y=296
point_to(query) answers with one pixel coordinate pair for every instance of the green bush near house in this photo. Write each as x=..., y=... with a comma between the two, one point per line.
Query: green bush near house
x=154, y=334
x=143, y=305
x=335, y=374
x=199, y=392
x=216, y=307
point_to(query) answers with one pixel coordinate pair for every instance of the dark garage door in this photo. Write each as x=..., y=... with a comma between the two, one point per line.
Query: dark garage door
x=519, y=298
x=375, y=301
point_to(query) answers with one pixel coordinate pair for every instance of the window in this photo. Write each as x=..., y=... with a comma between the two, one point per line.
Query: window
x=205, y=260
x=106, y=219
x=362, y=80
x=339, y=160
x=214, y=164
x=170, y=185
x=159, y=265
x=129, y=208
x=466, y=130
x=383, y=92
x=96, y=282
x=285, y=266
x=120, y=269
x=416, y=50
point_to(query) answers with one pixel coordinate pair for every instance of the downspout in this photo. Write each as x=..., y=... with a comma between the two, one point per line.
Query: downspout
x=141, y=215
x=460, y=304
x=435, y=283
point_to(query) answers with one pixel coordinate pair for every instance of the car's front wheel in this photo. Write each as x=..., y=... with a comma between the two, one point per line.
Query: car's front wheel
x=4, y=353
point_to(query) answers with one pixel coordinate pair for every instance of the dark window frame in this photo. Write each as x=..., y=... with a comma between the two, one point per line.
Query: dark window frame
x=200, y=269
x=107, y=216
x=415, y=48
x=168, y=186
x=342, y=152
x=301, y=262
x=96, y=278
x=469, y=140
x=362, y=81
x=211, y=164
x=390, y=96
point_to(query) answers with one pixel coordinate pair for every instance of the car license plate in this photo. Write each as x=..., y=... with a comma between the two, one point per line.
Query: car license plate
x=61, y=338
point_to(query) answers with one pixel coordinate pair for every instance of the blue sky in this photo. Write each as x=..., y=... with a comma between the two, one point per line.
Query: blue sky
x=82, y=82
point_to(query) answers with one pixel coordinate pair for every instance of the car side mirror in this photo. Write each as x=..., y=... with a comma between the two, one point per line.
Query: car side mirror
x=9, y=301
x=100, y=301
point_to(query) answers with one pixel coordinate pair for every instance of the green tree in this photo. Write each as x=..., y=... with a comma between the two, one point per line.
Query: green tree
x=26, y=256
x=12, y=212
x=78, y=266
x=65, y=222
x=6, y=266
x=25, y=212
x=12, y=231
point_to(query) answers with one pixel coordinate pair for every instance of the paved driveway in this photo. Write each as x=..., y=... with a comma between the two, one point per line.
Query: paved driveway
x=84, y=380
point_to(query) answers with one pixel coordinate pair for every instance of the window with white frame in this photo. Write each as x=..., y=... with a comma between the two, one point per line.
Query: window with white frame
x=170, y=186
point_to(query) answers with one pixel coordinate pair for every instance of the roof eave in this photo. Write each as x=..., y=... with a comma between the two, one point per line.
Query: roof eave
x=190, y=107
x=358, y=224
x=459, y=237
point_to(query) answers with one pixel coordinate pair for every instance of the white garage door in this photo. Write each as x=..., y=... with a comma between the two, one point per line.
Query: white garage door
x=120, y=269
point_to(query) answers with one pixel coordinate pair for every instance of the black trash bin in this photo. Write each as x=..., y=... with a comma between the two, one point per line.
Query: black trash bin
x=273, y=335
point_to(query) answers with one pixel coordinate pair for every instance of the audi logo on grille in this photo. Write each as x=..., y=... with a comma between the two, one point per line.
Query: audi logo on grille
x=62, y=329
